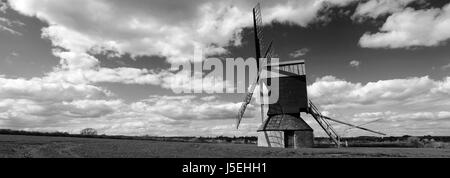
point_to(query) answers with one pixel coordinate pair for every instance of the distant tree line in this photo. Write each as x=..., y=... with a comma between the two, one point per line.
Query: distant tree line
x=92, y=133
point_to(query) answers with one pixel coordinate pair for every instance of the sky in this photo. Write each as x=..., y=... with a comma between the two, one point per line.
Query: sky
x=66, y=65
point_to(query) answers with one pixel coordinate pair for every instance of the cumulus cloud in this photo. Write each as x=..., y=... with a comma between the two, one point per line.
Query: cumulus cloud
x=30, y=103
x=406, y=123
x=160, y=28
x=445, y=67
x=89, y=106
x=410, y=28
x=151, y=28
x=3, y=6
x=8, y=25
x=191, y=108
x=414, y=106
x=34, y=98
x=377, y=8
x=157, y=115
x=400, y=118
x=148, y=28
x=182, y=81
x=11, y=56
x=331, y=92
x=123, y=75
x=40, y=104
x=299, y=12
x=299, y=53
x=355, y=63
x=39, y=89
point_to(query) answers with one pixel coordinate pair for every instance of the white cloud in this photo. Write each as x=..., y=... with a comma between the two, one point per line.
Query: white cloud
x=299, y=12
x=159, y=27
x=9, y=30
x=299, y=53
x=9, y=22
x=14, y=54
x=38, y=89
x=40, y=112
x=420, y=116
x=445, y=67
x=175, y=81
x=157, y=115
x=376, y=8
x=185, y=81
x=3, y=6
x=331, y=92
x=90, y=108
x=51, y=104
x=8, y=26
x=372, y=114
x=395, y=117
x=151, y=28
x=406, y=123
x=9, y=59
x=209, y=98
x=190, y=108
x=355, y=63
x=35, y=102
x=47, y=106
x=410, y=28
x=141, y=27
x=117, y=75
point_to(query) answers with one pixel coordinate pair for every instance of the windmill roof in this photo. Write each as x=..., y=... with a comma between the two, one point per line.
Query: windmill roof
x=284, y=123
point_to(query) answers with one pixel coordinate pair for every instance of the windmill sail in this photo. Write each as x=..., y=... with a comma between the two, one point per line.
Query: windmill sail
x=268, y=58
x=247, y=100
x=249, y=95
x=259, y=45
x=258, y=31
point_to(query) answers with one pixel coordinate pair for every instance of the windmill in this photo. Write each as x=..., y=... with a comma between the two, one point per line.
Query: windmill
x=283, y=125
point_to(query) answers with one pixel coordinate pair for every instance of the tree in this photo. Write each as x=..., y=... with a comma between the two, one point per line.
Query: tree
x=89, y=132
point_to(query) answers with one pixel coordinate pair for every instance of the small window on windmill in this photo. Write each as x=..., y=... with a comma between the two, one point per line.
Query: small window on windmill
x=293, y=97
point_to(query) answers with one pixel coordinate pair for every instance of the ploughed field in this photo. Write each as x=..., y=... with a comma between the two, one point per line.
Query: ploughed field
x=12, y=146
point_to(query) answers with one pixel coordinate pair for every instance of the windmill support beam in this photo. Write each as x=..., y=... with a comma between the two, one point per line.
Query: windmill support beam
x=354, y=126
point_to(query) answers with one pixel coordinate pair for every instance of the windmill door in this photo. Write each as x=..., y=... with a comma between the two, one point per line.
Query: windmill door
x=289, y=139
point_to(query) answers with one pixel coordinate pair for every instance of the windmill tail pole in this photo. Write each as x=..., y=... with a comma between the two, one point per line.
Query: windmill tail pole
x=351, y=125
